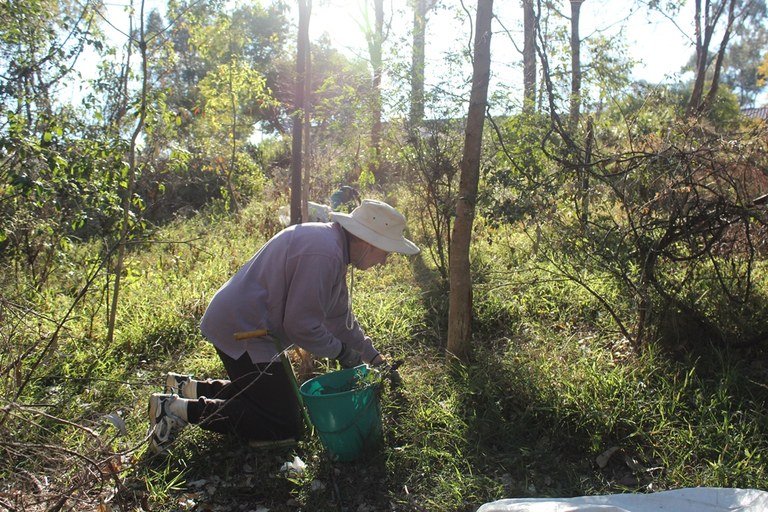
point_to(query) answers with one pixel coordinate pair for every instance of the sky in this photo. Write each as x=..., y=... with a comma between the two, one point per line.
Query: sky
x=654, y=41
x=657, y=43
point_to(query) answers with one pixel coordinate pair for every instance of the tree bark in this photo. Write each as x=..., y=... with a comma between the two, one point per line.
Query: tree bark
x=702, y=46
x=706, y=20
x=307, y=159
x=584, y=217
x=460, y=279
x=298, y=113
x=529, y=56
x=575, y=65
x=375, y=47
x=417, y=62
x=709, y=101
x=125, y=227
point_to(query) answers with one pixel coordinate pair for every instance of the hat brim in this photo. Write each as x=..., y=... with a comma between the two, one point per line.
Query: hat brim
x=400, y=245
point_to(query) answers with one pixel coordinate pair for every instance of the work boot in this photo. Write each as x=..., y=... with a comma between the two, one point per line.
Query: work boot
x=164, y=426
x=175, y=384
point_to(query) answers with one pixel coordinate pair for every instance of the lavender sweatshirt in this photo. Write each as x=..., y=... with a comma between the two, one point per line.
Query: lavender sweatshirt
x=295, y=287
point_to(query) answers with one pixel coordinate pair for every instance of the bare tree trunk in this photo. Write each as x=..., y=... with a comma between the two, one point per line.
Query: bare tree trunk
x=307, y=124
x=306, y=360
x=460, y=297
x=233, y=204
x=575, y=65
x=585, y=174
x=706, y=21
x=125, y=227
x=297, y=146
x=375, y=47
x=529, y=56
x=417, y=62
x=575, y=113
x=702, y=45
x=710, y=99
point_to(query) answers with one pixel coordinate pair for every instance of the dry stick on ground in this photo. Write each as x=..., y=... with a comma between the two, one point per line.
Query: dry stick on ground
x=51, y=448
x=33, y=369
x=105, y=468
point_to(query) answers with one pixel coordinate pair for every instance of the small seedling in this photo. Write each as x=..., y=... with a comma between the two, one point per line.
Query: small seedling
x=364, y=379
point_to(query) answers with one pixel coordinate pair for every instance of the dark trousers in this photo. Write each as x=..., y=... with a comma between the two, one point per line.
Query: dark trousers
x=256, y=403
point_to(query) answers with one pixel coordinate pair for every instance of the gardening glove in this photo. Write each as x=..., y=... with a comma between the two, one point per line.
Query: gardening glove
x=348, y=358
x=389, y=370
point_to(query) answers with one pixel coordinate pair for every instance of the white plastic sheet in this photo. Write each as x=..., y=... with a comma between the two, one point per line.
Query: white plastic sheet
x=698, y=499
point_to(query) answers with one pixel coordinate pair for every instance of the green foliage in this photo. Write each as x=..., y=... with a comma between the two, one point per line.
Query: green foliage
x=670, y=214
x=520, y=182
x=433, y=156
x=605, y=355
x=743, y=56
x=762, y=72
x=56, y=189
x=648, y=111
x=654, y=109
x=162, y=483
x=551, y=387
x=216, y=66
x=339, y=95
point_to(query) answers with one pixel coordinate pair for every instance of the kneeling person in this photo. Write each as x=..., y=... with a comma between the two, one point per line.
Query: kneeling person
x=295, y=287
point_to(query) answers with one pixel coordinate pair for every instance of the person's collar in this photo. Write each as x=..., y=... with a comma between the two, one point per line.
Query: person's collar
x=344, y=243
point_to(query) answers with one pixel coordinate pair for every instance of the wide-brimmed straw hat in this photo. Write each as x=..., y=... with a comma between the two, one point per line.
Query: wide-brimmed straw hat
x=378, y=224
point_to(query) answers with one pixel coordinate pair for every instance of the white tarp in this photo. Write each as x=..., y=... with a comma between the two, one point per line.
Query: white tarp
x=698, y=499
x=317, y=213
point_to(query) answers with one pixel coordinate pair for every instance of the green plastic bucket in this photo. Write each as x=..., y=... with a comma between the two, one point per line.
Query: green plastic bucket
x=345, y=410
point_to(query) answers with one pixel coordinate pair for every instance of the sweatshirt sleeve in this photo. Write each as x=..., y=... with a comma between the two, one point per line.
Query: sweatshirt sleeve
x=337, y=322
x=317, y=307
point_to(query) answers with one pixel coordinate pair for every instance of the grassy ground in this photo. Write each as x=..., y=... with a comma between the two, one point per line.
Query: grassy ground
x=554, y=403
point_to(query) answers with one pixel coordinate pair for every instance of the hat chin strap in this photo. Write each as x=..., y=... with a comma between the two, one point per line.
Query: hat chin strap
x=348, y=323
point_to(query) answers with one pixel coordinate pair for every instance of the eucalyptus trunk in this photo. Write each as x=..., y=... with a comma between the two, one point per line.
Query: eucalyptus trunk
x=298, y=112
x=375, y=46
x=529, y=56
x=706, y=20
x=575, y=65
x=307, y=124
x=125, y=227
x=460, y=278
x=417, y=62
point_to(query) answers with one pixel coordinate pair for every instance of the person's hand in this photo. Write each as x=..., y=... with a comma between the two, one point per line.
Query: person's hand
x=348, y=358
x=387, y=369
x=378, y=360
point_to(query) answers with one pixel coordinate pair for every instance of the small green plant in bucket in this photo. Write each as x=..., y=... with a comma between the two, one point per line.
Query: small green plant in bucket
x=345, y=410
x=362, y=380
x=359, y=380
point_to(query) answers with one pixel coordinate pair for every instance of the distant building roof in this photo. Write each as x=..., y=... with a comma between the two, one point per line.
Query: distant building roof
x=757, y=113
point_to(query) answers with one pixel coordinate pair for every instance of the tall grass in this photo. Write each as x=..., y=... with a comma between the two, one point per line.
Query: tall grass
x=554, y=403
